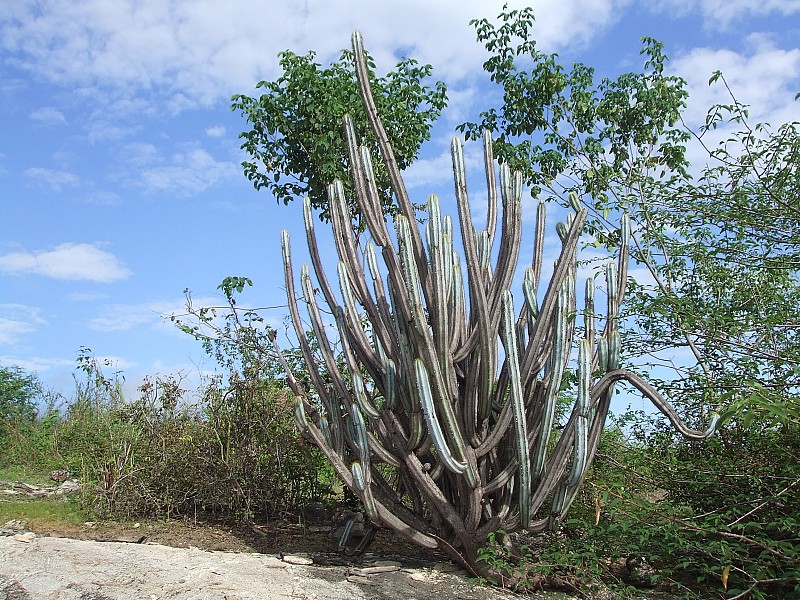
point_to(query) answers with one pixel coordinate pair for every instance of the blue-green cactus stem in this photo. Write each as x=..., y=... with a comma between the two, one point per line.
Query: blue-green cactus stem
x=518, y=404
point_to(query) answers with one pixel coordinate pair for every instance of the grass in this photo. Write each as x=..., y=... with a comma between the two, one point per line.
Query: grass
x=43, y=513
x=26, y=474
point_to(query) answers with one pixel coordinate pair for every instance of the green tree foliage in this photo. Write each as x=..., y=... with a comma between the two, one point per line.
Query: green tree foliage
x=295, y=143
x=720, y=241
x=19, y=393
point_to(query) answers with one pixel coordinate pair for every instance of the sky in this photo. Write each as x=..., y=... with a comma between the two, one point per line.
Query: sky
x=120, y=176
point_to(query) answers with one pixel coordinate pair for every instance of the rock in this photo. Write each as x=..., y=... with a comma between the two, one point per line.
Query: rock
x=70, y=486
x=26, y=537
x=297, y=559
x=359, y=579
x=367, y=571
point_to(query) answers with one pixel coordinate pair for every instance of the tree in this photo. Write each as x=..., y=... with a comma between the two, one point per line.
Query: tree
x=295, y=141
x=720, y=242
x=19, y=392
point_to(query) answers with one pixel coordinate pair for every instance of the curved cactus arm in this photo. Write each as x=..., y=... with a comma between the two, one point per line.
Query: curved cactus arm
x=612, y=311
x=459, y=307
x=366, y=191
x=313, y=249
x=354, y=330
x=384, y=327
x=358, y=288
x=344, y=238
x=538, y=244
x=432, y=421
x=588, y=312
x=480, y=320
x=529, y=291
x=319, y=331
x=661, y=403
x=364, y=403
x=387, y=515
x=399, y=187
x=294, y=313
x=441, y=275
x=508, y=252
x=518, y=404
x=359, y=435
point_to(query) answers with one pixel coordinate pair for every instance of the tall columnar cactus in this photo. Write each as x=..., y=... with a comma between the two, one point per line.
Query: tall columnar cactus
x=439, y=413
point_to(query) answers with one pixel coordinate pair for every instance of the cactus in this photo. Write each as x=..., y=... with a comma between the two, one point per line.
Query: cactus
x=446, y=436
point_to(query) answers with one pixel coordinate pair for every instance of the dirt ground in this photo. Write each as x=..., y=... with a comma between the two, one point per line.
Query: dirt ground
x=198, y=561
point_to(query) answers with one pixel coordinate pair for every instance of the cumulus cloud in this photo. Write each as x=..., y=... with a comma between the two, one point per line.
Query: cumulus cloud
x=770, y=95
x=191, y=171
x=67, y=261
x=195, y=53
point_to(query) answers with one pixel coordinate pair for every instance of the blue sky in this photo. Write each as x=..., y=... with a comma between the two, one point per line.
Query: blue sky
x=120, y=182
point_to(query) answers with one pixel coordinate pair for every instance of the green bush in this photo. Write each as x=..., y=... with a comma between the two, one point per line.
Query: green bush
x=233, y=452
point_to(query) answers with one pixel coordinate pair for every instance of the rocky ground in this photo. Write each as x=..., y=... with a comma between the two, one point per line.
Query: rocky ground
x=193, y=560
x=34, y=566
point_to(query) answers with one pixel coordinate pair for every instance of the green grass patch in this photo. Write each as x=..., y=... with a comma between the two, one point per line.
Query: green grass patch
x=26, y=474
x=43, y=513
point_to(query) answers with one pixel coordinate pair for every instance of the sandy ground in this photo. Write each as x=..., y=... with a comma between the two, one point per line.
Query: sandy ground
x=66, y=569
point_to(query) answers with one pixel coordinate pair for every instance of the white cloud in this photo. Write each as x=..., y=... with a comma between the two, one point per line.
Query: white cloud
x=55, y=179
x=195, y=53
x=48, y=115
x=16, y=320
x=769, y=95
x=36, y=364
x=215, y=131
x=192, y=171
x=124, y=317
x=67, y=261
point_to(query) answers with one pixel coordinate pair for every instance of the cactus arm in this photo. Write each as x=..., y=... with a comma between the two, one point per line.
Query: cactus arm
x=477, y=292
x=398, y=185
x=518, y=405
x=550, y=301
x=582, y=414
x=538, y=244
x=559, y=355
x=313, y=249
x=364, y=185
x=661, y=403
x=432, y=421
x=355, y=328
x=441, y=271
x=294, y=313
x=508, y=253
x=491, y=189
